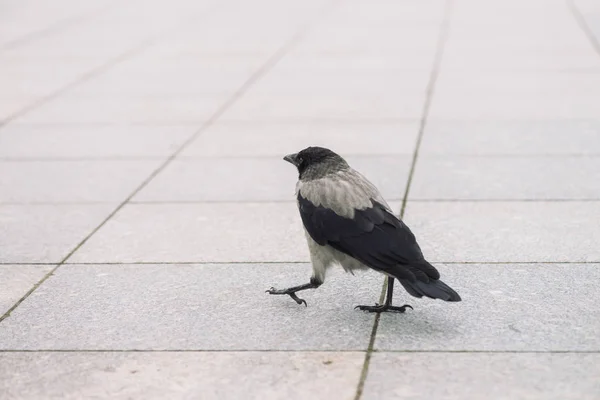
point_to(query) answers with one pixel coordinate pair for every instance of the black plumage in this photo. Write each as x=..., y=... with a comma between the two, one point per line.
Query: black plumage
x=348, y=222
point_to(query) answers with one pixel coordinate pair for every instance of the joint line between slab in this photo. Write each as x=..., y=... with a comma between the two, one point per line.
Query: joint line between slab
x=97, y=71
x=582, y=23
x=256, y=76
x=297, y=351
x=442, y=38
x=57, y=26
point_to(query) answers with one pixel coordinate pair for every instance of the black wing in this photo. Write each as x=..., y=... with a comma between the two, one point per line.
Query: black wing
x=374, y=236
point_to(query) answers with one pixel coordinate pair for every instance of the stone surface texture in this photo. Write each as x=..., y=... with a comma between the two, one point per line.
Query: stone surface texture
x=145, y=207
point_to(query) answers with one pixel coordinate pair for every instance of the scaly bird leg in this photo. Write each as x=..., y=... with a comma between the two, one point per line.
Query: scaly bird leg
x=387, y=306
x=292, y=291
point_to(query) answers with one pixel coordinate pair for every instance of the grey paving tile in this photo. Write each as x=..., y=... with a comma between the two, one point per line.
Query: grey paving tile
x=530, y=58
x=71, y=109
x=20, y=25
x=549, y=137
x=206, y=375
x=505, y=307
x=482, y=104
x=71, y=181
x=365, y=59
x=16, y=280
x=260, y=179
x=155, y=79
x=46, y=233
x=511, y=81
x=590, y=11
x=388, y=12
x=205, y=232
x=383, y=38
x=477, y=376
x=480, y=178
x=10, y=106
x=329, y=107
x=39, y=142
x=506, y=231
x=291, y=80
x=217, y=232
x=201, y=307
x=26, y=78
x=275, y=139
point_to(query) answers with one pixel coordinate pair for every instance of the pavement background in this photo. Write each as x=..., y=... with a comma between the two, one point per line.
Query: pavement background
x=145, y=208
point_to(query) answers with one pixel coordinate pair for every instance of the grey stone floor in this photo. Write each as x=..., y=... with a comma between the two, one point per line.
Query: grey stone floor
x=145, y=208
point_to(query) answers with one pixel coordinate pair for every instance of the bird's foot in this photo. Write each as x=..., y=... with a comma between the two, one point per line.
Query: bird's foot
x=378, y=308
x=291, y=293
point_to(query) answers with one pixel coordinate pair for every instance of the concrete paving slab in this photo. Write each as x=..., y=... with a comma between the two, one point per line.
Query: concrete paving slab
x=209, y=375
x=72, y=181
x=481, y=105
x=527, y=93
x=332, y=107
x=471, y=376
x=26, y=78
x=199, y=307
x=88, y=142
x=506, y=231
x=533, y=58
x=10, y=106
x=420, y=59
x=590, y=11
x=46, y=233
x=344, y=80
x=96, y=109
x=505, y=307
x=527, y=138
x=507, y=81
x=260, y=179
x=278, y=139
x=170, y=79
x=205, y=232
x=16, y=280
x=502, y=178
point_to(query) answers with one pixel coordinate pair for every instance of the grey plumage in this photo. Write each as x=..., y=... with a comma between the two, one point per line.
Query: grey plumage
x=348, y=222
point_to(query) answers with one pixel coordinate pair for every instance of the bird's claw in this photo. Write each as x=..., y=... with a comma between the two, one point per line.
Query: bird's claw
x=297, y=299
x=379, y=308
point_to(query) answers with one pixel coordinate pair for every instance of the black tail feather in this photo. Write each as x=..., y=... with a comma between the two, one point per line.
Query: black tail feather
x=434, y=289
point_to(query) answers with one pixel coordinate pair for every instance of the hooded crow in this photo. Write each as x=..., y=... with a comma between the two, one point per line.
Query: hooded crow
x=347, y=222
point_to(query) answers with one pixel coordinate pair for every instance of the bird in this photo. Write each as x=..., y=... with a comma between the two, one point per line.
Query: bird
x=347, y=222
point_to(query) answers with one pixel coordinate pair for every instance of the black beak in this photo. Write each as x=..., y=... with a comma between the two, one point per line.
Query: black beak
x=292, y=158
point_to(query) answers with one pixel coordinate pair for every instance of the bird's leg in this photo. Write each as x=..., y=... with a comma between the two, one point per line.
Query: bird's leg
x=313, y=284
x=387, y=306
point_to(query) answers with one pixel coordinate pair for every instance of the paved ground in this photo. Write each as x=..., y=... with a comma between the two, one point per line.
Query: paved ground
x=145, y=208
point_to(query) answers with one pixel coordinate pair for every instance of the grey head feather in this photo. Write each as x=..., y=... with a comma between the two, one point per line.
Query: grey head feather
x=327, y=180
x=316, y=162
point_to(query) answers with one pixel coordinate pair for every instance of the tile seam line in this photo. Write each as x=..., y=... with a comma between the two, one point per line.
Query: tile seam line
x=57, y=27
x=201, y=157
x=99, y=70
x=282, y=262
x=379, y=351
x=500, y=263
x=228, y=122
x=281, y=201
x=583, y=25
x=439, y=51
x=269, y=64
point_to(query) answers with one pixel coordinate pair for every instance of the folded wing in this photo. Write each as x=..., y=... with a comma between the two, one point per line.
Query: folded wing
x=372, y=235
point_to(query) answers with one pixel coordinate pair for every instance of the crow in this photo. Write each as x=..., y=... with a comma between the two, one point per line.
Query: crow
x=347, y=222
